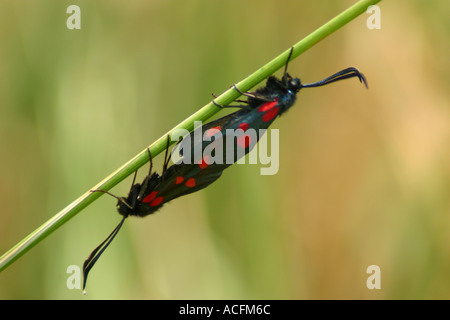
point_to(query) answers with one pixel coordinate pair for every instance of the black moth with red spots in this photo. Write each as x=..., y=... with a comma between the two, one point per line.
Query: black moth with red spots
x=258, y=112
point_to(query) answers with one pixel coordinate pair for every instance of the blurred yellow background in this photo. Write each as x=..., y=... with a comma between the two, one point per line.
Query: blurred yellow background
x=363, y=179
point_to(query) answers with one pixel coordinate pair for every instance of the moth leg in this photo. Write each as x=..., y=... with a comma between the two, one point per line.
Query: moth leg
x=242, y=106
x=151, y=163
x=166, y=159
x=241, y=101
x=253, y=95
x=147, y=178
x=114, y=196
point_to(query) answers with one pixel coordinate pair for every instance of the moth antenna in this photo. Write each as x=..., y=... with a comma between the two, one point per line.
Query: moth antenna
x=338, y=76
x=97, y=252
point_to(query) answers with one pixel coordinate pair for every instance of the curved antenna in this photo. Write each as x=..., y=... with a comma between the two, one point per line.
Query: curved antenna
x=341, y=75
x=95, y=254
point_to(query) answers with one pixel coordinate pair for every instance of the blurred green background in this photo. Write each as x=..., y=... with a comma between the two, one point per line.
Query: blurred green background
x=363, y=179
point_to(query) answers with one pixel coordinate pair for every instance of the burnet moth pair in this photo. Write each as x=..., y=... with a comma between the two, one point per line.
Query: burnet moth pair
x=256, y=114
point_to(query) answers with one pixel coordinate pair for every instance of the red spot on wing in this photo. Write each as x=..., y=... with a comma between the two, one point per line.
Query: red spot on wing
x=190, y=183
x=268, y=105
x=272, y=113
x=150, y=197
x=212, y=131
x=179, y=180
x=204, y=163
x=244, y=126
x=244, y=141
x=156, y=202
